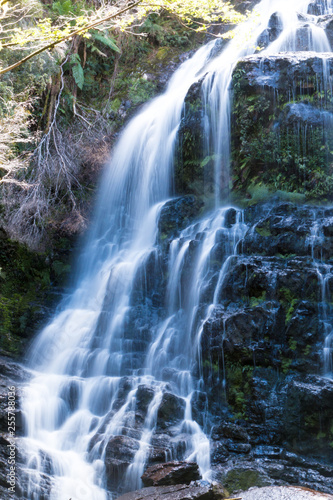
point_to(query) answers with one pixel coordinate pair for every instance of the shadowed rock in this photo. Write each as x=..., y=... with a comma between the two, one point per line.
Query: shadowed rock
x=171, y=473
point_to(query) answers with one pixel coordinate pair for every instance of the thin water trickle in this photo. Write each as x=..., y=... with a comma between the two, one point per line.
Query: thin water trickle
x=324, y=272
x=96, y=358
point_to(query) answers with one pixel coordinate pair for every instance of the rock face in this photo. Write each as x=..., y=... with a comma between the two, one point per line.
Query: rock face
x=11, y=377
x=263, y=398
x=268, y=333
x=119, y=454
x=276, y=99
x=263, y=353
x=171, y=473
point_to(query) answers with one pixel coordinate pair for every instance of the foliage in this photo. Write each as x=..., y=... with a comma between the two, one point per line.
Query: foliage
x=274, y=154
x=26, y=279
x=78, y=19
x=61, y=102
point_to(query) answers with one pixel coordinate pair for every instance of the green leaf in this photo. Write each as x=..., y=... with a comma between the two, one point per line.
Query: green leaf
x=75, y=59
x=78, y=75
x=106, y=40
x=64, y=7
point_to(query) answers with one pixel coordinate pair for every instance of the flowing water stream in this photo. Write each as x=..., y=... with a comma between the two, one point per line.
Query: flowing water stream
x=107, y=349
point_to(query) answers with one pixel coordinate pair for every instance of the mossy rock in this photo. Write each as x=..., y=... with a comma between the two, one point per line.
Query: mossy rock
x=279, y=144
x=241, y=479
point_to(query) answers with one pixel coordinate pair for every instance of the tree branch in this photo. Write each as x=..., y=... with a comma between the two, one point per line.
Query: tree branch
x=67, y=37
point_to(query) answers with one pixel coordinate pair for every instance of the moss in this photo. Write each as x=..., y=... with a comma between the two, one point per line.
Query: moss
x=255, y=301
x=292, y=344
x=239, y=479
x=264, y=229
x=307, y=350
x=239, y=379
x=285, y=365
x=270, y=153
x=27, y=284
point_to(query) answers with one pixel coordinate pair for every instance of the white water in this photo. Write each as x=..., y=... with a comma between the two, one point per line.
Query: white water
x=76, y=401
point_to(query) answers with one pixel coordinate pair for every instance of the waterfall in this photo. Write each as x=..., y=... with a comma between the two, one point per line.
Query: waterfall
x=109, y=349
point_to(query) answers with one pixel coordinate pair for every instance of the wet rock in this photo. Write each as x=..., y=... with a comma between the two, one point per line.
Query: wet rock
x=268, y=451
x=199, y=404
x=243, y=448
x=119, y=454
x=169, y=473
x=315, y=8
x=272, y=32
x=232, y=431
x=305, y=113
x=328, y=227
x=218, y=454
x=281, y=70
x=308, y=415
x=144, y=396
x=327, y=24
x=193, y=491
x=230, y=217
x=177, y=214
x=11, y=376
x=171, y=410
x=70, y=393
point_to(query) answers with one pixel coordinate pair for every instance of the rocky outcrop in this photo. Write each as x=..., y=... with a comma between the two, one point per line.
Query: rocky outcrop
x=169, y=473
x=12, y=376
x=265, y=338
x=263, y=395
x=276, y=99
x=119, y=454
x=178, y=213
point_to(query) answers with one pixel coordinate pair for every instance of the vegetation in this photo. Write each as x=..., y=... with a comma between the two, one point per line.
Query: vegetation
x=67, y=69
x=71, y=73
x=272, y=152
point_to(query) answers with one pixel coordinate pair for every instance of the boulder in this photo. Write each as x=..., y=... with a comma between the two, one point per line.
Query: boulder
x=177, y=214
x=171, y=410
x=119, y=454
x=170, y=473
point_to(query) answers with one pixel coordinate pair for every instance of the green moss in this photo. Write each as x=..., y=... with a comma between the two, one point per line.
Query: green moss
x=292, y=344
x=307, y=350
x=285, y=365
x=291, y=309
x=26, y=290
x=285, y=295
x=264, y=229
x=239, y=479
x=271, y=155
x=239, y=379
x=255, y=301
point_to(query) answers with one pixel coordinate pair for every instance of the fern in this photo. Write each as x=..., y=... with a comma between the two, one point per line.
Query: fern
x=109, y=42
x=78, y=75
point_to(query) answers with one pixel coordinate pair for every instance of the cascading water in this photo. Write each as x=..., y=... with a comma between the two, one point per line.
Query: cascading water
x=324, y=273
x=98, y=360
